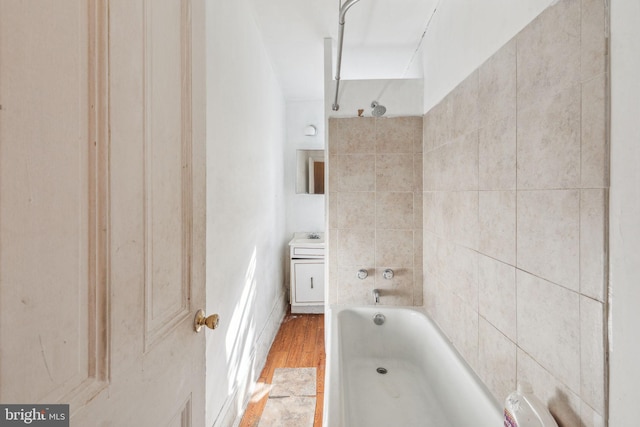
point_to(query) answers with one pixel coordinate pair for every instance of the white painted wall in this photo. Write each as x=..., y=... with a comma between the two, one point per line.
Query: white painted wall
x=624, y=225
x=463, y=34
x=245, y=206
x=305, y=212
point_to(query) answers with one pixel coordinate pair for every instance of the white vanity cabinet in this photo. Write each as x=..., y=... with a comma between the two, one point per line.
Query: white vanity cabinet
x=307, y=274
x=309, y=282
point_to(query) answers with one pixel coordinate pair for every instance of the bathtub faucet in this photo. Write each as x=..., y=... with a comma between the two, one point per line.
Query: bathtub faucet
x=376, y=296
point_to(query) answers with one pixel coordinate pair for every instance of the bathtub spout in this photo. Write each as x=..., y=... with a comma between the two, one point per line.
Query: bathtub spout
x=376, y=296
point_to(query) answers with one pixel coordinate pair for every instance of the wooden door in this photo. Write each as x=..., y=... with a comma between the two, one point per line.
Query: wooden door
x=102, y=209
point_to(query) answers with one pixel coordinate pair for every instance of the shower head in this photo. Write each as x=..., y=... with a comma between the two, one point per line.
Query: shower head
x=378, y=110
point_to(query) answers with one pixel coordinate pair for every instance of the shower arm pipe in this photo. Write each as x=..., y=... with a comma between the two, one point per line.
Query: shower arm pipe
x=343, y=11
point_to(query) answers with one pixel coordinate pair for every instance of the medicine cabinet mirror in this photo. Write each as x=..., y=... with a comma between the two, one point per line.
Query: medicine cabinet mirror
x=310, y=172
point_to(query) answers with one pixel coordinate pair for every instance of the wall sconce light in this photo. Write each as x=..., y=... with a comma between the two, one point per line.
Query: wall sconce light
x=310, y=130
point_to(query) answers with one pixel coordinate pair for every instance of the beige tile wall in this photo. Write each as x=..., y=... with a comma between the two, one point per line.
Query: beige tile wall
x=515, y=213
x=375, y=209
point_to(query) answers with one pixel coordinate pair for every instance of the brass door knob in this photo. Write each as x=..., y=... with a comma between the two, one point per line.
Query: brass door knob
x=201, y=321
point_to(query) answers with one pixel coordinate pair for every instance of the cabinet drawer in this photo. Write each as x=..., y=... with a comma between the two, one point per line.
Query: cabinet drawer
x=309, y=282
x=298, y=252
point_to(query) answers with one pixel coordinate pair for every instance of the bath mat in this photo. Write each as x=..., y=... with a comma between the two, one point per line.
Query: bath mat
x=293, y=411
x=293, y=382
x=292, y=399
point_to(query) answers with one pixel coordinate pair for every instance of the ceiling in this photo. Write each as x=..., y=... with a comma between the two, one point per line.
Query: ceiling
x=380, y=41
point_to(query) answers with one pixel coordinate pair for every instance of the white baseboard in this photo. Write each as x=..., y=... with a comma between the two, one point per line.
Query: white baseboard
x=228, y=417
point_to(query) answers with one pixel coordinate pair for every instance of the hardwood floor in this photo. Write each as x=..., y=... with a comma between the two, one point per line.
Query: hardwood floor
x=298, y=344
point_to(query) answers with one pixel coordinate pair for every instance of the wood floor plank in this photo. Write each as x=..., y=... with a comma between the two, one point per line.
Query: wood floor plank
x=310, y=333
x=307, y=359
x=317, y=421
x=299, y=343
x=320, y=373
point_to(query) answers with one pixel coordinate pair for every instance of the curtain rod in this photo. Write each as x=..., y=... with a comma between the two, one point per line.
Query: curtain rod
x=343, y=12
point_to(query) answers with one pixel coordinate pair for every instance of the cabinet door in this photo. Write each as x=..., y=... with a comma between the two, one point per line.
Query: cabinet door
x=309, y=279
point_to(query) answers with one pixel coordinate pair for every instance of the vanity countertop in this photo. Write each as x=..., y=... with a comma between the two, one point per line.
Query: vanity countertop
x=304, y=238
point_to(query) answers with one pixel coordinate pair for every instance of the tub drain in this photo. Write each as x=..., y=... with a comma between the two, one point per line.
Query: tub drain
x=381, y=370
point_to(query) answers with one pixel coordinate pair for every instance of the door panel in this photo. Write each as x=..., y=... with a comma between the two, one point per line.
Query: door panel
x=167, y=147
x=48, y=249
x=101, y=210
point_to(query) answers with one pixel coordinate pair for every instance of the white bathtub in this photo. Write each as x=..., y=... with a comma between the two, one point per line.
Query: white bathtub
x=427, y=383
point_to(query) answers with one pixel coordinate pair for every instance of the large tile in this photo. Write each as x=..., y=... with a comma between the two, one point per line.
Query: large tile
x=418, y=287
x=418, y=206
x=394, y=172
x=418, y=168
x=430, y=292
x=441, y=263
x=332, y=209
x=446, y=309
x=398, y=134
x=497, y=155
x=356, y=210
x=497, y=85
x=548, y=235
x=394, y=248
x=548, y=53
x=458, y=321
x=593, y=240
x=418, y=142
x=428, y=131
x=394, y=210
x=430, y=253
x=454, y=166
x=453, y=216
x=356, y=248
x=592, y=359
x=356, y=172
x=459, y=214
x=594, y=44
x=443, y=116
x=351, y=290
x=430, y=213
x=458, y=267
x=497, y=295
x=496, y=360
x=356, y=135
x=548, y=150
x=594, y=149
x=430, y=170
x=395, y=291
x=563, y=403
x=463, y=321
x=333, y=169
x=497, y=221
x=333, y=136
x=589, y=417
x=331, y=258
x=548, y=323
x=464, y=106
